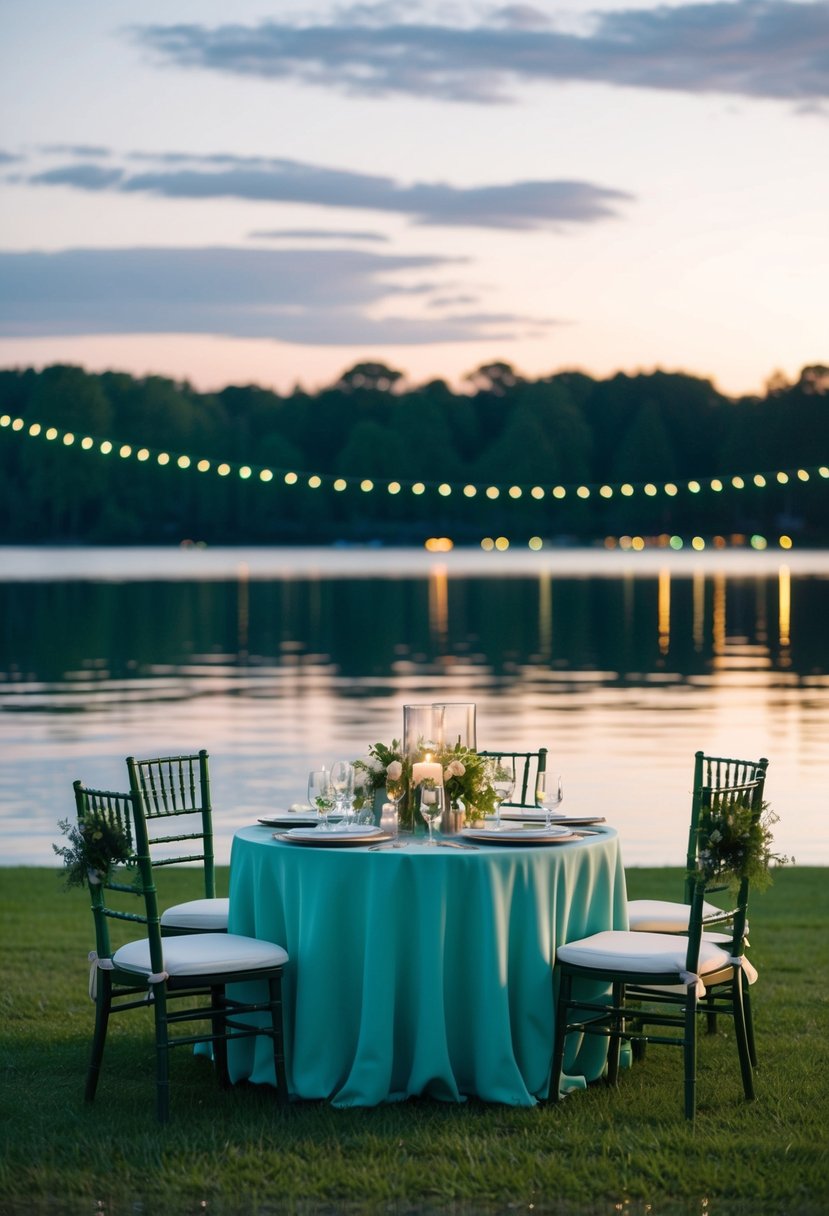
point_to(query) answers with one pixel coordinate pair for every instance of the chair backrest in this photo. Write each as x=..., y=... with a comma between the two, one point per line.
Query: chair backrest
x=177, y=787
x=114, y=895
x=713, y=775
x=729, y=819
x=527, y=767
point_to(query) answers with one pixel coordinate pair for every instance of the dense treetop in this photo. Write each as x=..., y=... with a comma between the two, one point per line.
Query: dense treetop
x=565, y=430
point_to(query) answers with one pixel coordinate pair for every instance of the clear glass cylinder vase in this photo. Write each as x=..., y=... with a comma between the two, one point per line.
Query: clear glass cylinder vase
x=454, y=723
x=419, y=735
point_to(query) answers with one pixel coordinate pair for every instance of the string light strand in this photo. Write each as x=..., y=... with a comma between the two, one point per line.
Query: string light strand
x=492, y=492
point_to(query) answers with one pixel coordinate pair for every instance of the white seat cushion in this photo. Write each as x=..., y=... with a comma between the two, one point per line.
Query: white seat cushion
x=649, y=953
x=662, y=915
x=202, y=954
x=205, y=915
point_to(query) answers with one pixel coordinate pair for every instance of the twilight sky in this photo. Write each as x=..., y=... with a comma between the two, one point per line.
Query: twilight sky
x=270, y=191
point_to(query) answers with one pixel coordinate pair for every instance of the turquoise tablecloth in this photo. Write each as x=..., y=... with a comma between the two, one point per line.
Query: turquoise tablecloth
x=421, y=971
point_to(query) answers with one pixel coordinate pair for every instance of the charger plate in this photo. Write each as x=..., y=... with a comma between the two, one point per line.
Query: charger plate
x=354, y=837
x=291, y=819
x=512, y=836
x=530, y=815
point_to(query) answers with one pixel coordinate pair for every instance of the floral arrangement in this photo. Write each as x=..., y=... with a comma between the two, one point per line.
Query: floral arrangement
x=736, y=843
x=385, y=768
x=466, y=774
x=467, y=778
x=95, y=847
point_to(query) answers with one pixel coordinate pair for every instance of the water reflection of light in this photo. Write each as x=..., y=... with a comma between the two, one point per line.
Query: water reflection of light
x=718, y=618
x=545, y=616
x=326, y=683
x=784, y=595
x=243, y=607
x=439, y=606
x=664, y=611
x=699, y=610
x=760, y=621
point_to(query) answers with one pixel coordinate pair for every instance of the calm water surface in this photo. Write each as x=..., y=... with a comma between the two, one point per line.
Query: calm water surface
x=279, y=660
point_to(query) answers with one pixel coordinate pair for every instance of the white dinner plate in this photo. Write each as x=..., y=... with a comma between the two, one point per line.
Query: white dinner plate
x=555, y=835
x=530, y=815
x=350, y=837
x=291, y=819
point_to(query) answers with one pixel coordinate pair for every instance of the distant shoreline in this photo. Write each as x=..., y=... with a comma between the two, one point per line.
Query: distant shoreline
x=170, y=563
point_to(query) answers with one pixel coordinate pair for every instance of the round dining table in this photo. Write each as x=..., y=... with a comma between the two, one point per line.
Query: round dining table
x=422, y=970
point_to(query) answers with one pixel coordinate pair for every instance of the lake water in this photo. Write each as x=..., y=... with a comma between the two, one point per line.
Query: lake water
x=277, y=660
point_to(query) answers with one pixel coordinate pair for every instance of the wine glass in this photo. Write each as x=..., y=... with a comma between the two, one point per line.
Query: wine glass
x=363, y=798
x=431, y=802
x=395, y=789
x=320, y=794
x=502, y=779
x=549, y=793
x=342, y=783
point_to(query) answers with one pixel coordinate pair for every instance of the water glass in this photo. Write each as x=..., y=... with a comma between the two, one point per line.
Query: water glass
x=549, y=793
x=320, y=794
x=342, y=783
x=501, y=774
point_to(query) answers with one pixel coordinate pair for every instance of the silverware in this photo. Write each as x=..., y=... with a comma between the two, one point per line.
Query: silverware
x=375, y=848
x=454, y=844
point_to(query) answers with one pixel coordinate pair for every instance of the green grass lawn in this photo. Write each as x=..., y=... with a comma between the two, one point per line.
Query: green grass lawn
x=627, y=1150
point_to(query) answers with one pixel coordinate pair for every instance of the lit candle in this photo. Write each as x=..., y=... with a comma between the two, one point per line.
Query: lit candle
x=427, y=770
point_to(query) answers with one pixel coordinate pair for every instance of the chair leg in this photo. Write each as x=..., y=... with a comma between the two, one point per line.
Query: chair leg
x=275, y=995
x=162, y=1054
x=741, y=1035
x=749, y=1020
x=103, y=1003
x=690, y=1054
x=219, y=1027
x=562, y=1008
x=614, y=1046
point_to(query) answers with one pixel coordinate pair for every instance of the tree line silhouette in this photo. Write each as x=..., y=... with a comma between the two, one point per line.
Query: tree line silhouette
x=565, y=429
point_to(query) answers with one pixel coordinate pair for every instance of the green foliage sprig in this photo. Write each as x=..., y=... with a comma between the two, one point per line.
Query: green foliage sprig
x=736, y=843
x=95, y=847
x=467, y=778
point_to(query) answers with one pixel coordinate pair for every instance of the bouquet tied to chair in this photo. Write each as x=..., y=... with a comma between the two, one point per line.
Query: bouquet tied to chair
x=736, y=842
x=96, y=846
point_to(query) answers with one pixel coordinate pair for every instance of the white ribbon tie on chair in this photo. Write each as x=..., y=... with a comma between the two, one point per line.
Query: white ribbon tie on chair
x=689, y=978
x=741, y=963
x=97, y=964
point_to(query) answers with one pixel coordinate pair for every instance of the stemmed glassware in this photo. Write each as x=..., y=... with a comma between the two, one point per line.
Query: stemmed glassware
x=431, y=799
x=549, y=793
x=320, y=794
x=342, y=783
x=395, y=789
x=502, y=779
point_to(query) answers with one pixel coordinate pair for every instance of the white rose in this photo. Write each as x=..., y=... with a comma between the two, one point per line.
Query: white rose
x=394, y=771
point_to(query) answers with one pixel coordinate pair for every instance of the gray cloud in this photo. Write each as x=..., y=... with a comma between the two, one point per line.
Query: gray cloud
x=81, y=177
x=306, y=296
x=518, y=205
x=88, y=150
x=315, y=234
x=751, y=48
